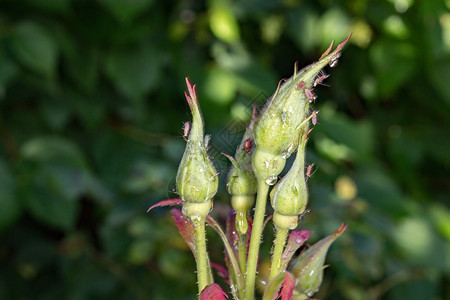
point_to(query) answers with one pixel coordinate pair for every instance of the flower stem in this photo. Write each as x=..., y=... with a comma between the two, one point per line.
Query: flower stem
x=279, y=242
x=242, y=252
x=253, y=252
x=202, y=256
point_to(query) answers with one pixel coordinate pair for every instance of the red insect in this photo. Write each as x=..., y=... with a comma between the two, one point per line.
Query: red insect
x=314, y=117
x=320, y=79
x=310, y=94
x=309, y=170
x=301, y=85
x=248, y=145
x=186, y=130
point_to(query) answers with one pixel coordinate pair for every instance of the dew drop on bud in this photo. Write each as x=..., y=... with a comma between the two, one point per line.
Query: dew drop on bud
x=272, y=179
x=285, y=155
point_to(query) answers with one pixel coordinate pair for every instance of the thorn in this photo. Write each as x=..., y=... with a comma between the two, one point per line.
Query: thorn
x=255, y=112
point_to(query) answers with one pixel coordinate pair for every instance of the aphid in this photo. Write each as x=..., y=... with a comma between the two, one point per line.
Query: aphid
x=309, y=170
x=314, y=117
x=320, y=79
x=248, y=145
x=301, y=85
x=186, y=130
x=333, y=63
x=310, y=95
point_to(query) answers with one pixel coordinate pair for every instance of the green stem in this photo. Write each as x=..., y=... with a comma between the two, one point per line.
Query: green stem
x=253, y=252
x=233, y=261
x=202, y=256
x=279, y=242
x=242, y=252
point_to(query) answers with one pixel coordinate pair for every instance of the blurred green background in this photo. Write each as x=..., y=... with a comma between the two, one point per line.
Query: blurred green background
x=91, y=111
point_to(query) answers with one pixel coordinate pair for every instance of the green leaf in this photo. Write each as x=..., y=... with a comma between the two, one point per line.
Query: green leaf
x=222, y=22
x=126, y=10
x=61, y=6
x=9, y=203
x=356, y=136
x=134, y=70
x=54, y=177
x=34, y=47
x=398, y=59
x=50, y=199
x=53, y=150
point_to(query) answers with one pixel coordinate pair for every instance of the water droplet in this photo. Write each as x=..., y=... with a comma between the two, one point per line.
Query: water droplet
x=272, y=179
x=285, y=155
x=195, y=219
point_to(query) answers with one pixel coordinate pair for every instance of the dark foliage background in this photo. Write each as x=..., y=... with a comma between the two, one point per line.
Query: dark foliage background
x=91, y=110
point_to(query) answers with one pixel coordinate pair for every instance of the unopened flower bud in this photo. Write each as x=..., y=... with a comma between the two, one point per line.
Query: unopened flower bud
x=241, y=179
x=196, y=179
x=278, y=125
x=290, y=196
x=308, y=267
x=276, y=133
x=242, y=183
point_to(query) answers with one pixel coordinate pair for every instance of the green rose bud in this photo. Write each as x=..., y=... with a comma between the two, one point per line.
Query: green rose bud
x=290, y=196
x=241, y=179
x=276, y=133
x=308, y=267
x=196, y=179
x=242, y=183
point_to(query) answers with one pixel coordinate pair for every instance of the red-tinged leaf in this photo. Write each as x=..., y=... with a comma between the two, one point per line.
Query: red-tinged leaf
x=295, y=241
x=309, y=267
x=185, y=228
x=328, y=50
x=213, y=292
x=341, y=45
x=341, y=229
x=192, y=97
x=167, y=202
x=221, y=270
x=288, y=286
